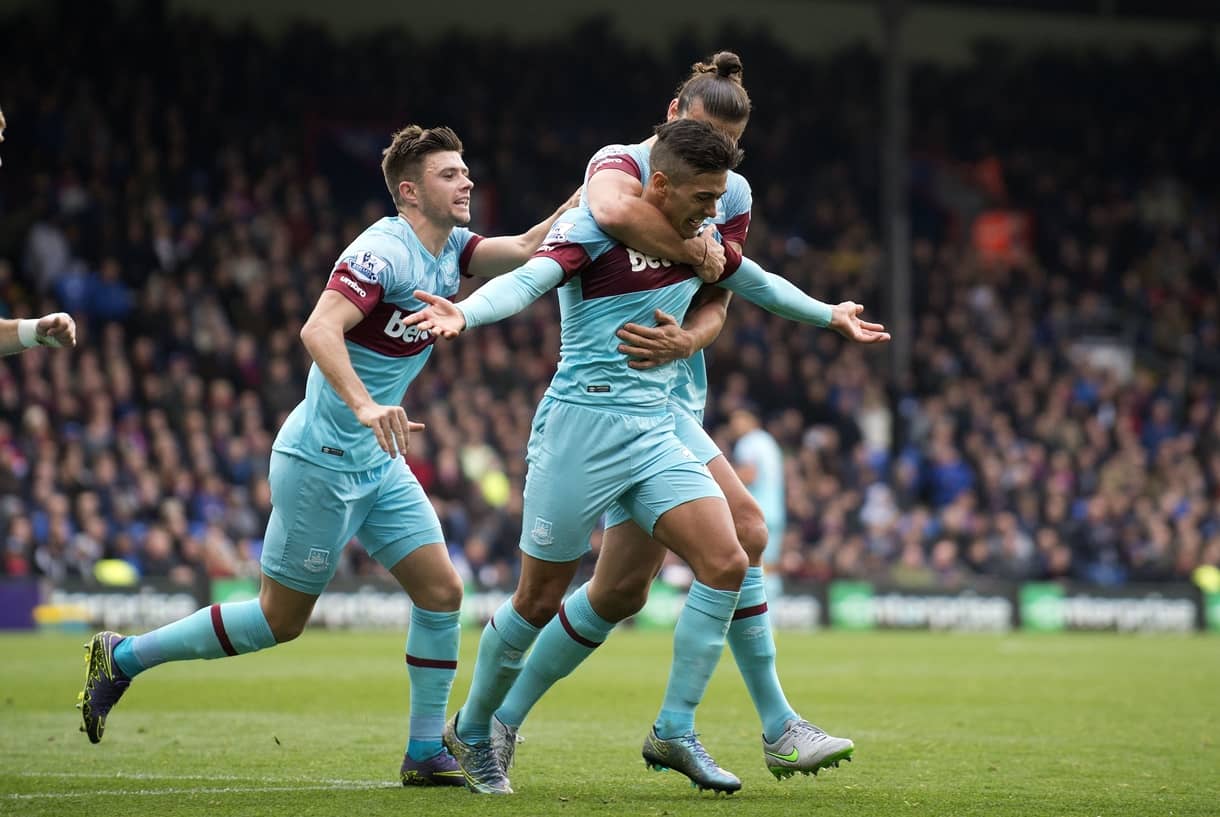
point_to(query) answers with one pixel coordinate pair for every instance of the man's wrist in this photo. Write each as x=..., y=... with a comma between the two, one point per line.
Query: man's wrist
x=692, y=343
x=693, y=256
x=27, y=332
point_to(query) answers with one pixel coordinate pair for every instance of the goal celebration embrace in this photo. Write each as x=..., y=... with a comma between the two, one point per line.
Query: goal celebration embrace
x=791, y=408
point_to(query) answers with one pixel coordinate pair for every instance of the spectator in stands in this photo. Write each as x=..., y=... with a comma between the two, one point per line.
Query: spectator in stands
x=1011, y=430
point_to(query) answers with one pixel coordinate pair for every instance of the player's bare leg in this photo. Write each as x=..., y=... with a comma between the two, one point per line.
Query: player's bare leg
x=630, y=559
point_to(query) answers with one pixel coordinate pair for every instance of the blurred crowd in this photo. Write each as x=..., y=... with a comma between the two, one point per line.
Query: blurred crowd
x=184, y=190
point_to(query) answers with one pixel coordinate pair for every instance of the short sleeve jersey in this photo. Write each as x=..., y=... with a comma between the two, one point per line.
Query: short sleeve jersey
x=378, y=272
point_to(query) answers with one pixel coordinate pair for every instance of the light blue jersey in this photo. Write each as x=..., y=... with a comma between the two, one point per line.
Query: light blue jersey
x=606, y=285
x=759, y=449
x=604, y=431
x=732, y=219
x=378, y=272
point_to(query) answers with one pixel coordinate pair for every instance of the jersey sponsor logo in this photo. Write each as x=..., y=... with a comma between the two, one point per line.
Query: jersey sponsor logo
x=541, y=534
x=318, y=560
x=395, y=328
x=619, y=271
x=353, y=286
x=641, y=262
x=366, y=266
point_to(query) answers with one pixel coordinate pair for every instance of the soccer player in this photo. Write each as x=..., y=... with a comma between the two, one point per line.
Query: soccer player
x=630, y=558
x=56, y=330
x=335, y=466
x=602, y=434
x=759, y=464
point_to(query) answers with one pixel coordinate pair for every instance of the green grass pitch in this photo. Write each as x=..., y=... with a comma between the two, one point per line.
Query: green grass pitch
x=944, y=725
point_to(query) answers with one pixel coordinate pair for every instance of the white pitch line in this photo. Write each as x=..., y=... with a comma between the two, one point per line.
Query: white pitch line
x=216, y=777
x=180, y=791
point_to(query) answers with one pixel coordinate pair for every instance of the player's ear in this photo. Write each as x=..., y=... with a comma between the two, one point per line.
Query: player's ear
x=407, y=191
x=672, y=112
x=660, y=182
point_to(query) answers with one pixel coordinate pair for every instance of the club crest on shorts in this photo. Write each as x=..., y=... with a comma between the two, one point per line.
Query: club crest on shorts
x=318, y=560
x=541, y=534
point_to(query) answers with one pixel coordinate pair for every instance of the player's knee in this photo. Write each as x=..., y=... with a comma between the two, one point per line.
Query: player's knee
x=285, y=628
x=724, y=571
x=752, y=533
x=537, y=609
x=619, y=601
x=442, y=595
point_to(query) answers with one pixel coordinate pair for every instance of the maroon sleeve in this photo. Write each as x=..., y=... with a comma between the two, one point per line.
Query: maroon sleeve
x=615, y=161
x=732, y=260
x=572, y=258
x=736, y=228
x=467, y=254
x=363, y=294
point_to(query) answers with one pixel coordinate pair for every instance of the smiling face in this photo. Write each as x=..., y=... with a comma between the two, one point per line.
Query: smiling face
x=442, y=191
x=688, y=201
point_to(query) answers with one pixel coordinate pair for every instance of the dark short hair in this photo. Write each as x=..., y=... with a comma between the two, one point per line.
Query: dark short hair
x=688, y=147
x=407, y=150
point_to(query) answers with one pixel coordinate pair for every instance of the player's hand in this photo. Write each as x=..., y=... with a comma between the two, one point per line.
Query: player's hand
x=845, y=319
x=390, y=426
x=573, y=200
x=712, y=266
x=652, y=346
x=57, y=330
x=440, y=316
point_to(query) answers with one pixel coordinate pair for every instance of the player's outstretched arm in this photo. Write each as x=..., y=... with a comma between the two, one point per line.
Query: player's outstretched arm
x=494, y=301
x=780, y=297
x=614, y=201
x=322, y=335
x=501, y=254
x=56, y=330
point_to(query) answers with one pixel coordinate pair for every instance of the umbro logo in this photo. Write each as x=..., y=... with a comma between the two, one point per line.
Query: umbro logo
x=353, y=286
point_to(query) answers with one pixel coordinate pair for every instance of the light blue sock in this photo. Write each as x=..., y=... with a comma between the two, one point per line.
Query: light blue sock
x=506, y=639
x=753, y=646
x=213, y=632
x=567, y=640
x=432, y=653
x=698, y=643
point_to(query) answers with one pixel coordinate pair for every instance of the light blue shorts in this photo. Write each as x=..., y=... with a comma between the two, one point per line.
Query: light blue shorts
x=690, y=431
x=315, y=512
x=582, y=459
